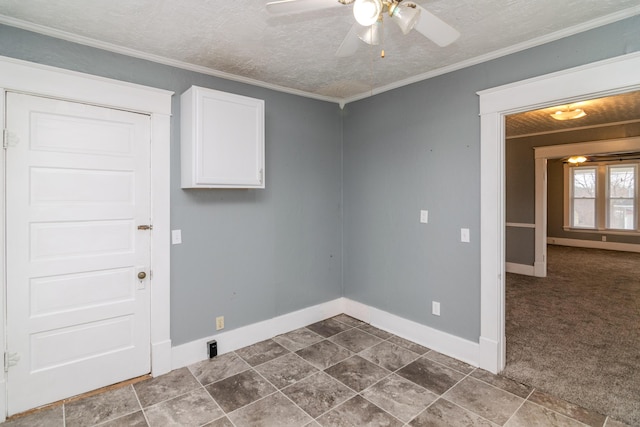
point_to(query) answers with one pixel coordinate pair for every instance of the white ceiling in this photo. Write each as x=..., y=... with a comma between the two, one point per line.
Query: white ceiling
x=238, y=39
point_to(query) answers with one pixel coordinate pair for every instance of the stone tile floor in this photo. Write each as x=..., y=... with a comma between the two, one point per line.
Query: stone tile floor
x=337, y=372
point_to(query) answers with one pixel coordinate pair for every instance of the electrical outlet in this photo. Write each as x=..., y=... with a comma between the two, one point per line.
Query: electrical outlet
x=604, y=238
x=435, y=308
x=219, y=323
x=424, y=217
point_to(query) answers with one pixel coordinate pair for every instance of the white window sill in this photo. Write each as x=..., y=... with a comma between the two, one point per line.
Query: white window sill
x=603, y=231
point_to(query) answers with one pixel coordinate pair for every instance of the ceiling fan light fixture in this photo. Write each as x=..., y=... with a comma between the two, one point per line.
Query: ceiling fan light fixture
x=372, y=34
x=405, y=16
x=367, y=12
x=568, y=114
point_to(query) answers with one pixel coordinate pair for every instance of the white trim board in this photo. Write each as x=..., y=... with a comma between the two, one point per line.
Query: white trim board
x=594, y=244
x=512, y=267
x=607, y=146
x=195, y=351
x=608, y=77
x=520, y=225
x=36, y=79
x=450, y=345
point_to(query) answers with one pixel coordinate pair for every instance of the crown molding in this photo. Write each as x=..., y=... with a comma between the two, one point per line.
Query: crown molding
x=87, y=41
x=557, y=35
x=589, y=25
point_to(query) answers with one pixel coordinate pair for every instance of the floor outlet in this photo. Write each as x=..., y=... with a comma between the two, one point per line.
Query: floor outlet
x=212, y=349
x=219, y=323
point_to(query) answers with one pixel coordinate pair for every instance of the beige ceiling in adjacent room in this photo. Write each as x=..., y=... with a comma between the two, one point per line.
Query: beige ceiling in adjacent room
x=610, y=110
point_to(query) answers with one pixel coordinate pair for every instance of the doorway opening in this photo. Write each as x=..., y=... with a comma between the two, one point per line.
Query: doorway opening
x=562, y=336
x=609, y=77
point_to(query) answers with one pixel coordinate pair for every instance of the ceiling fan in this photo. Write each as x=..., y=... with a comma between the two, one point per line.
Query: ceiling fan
x=369, y=15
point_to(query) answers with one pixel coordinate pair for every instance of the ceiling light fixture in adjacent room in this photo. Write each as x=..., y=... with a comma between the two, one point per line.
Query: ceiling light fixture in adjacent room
x=576, y=160
x=568, y=114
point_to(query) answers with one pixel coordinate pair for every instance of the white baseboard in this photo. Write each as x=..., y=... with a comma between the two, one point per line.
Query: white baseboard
x=195, y=351
x=594, y=244
x=540, y=269
x=527, y=270
x=3, y=401
x=161, y=358
x=450, y=345
x=489, y=359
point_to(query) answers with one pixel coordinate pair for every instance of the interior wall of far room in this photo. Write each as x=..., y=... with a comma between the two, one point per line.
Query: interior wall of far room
x=520, y=188
x=418, y=147
x=248, y=255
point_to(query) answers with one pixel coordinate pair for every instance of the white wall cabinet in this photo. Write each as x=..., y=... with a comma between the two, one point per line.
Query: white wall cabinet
x=222, y=140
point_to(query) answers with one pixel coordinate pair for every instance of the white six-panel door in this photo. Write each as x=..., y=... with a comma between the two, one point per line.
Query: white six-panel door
x=77, y=190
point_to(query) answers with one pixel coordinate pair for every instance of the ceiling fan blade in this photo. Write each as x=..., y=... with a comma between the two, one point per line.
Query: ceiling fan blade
x=350, y=43
x=435, y=28
x=280, y=7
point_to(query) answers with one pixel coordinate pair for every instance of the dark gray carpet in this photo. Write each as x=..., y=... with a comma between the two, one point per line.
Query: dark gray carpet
x=576, y=333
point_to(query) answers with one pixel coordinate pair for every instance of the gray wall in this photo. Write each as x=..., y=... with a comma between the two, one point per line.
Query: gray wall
x=247, y=254
x=251, y=255
x=418, y=147
x=520, y=188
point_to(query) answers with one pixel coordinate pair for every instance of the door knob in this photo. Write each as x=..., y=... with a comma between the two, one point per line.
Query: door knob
x=142, y=275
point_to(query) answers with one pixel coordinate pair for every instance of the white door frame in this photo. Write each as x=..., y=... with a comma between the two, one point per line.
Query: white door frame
x=608, y=77
x=36, y=79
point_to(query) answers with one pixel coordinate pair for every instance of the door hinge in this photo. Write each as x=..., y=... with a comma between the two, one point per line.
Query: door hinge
x=10, y=359
x=9, y=139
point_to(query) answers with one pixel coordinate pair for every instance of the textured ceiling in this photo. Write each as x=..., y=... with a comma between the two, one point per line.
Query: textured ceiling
x=239, y=39
x=601, y=111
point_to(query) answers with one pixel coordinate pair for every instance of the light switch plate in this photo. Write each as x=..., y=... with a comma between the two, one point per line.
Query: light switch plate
x=176, y=237
x=424, y=217
x=464, y=235
x=435, y=308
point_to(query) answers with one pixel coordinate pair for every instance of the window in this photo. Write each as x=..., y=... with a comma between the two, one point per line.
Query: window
x=583, y=197
x=621, y=197
x=602, y=196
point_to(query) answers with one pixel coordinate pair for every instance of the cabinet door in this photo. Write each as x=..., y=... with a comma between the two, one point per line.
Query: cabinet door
x=225, y=133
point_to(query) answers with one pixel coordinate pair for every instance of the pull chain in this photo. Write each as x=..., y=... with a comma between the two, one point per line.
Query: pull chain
x=382, y=39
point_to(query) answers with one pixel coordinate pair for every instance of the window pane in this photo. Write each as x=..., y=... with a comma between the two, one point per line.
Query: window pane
x=621, y=181
x=584, y=182
x=584, y=213
x=621, y=214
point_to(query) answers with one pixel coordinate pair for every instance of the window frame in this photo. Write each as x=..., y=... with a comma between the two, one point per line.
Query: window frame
x=634, y=198
x=602, y=211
